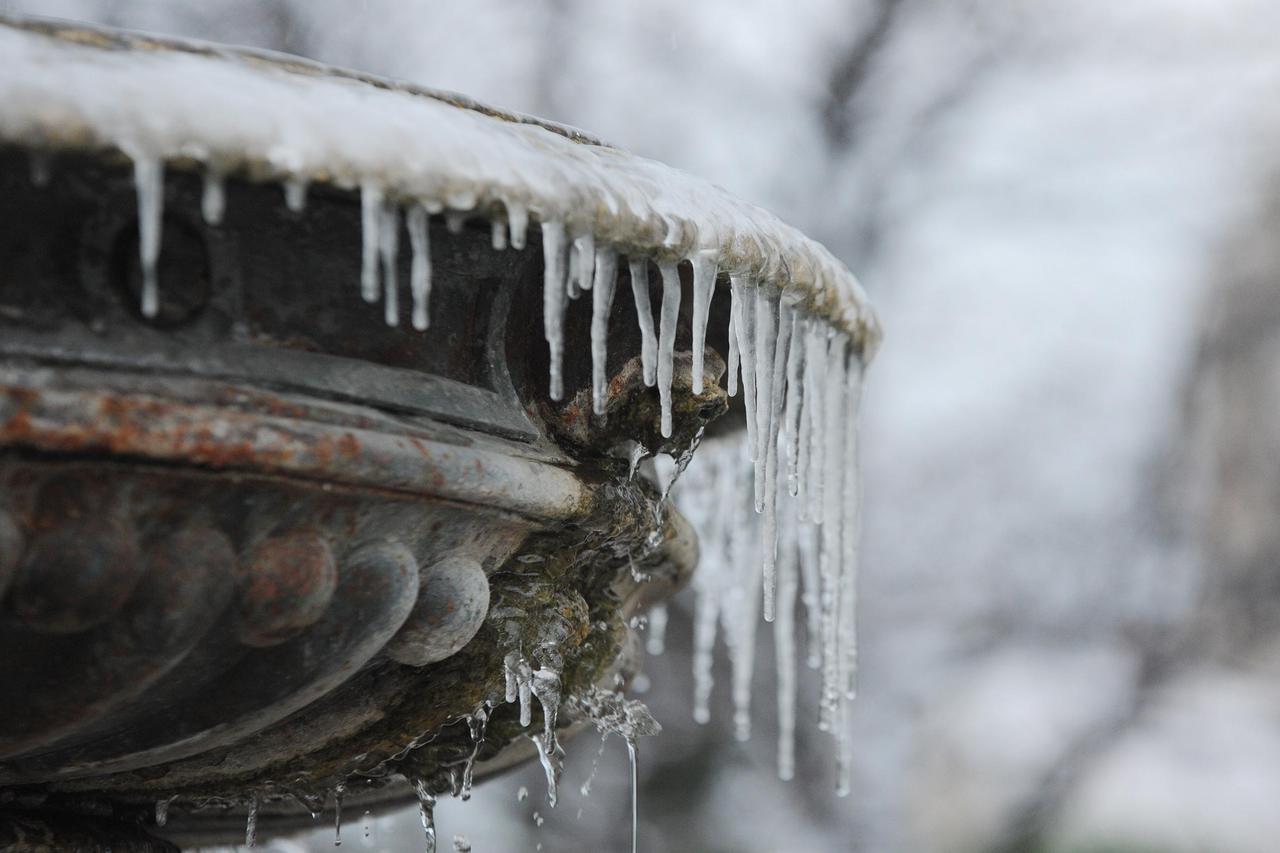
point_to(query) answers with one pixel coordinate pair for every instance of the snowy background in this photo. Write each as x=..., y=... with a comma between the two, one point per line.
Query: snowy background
x=1055, y=207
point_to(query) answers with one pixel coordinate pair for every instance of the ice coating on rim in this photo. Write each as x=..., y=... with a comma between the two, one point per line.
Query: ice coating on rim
x=271, y=116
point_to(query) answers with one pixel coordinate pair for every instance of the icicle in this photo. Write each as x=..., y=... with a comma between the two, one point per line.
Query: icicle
x=791, y=420
x=706, y=613
x=644, y=312
x=509, y=664
x=518, y=220
x=524, y=686
x=585, y=251
x=766, y=317
x=731, y=381
x=40, y=168
x=553, y=299
x=295, y=194
x=667, y=338
x=477, y=723
x=814, y=465
x=420, y=269
x=162, y=810
x=769, y=519
x=844, y=762
x=784, y=638
x=551, y=756
x=454, y=220
x=656, y=640
x=807, y=540
x=851, y=533
x=148, y=179
x=427, y=811
x=606, y=266
x=370, y=219
x=251, y=823
x=572, y=277
x=704, y=284
x=744, y=611
x=832, y=507
x=635, y=795
x=744, y=304
x=389, y=251
x=711, y=578
x=338, y=793
x=546, y=687
x=498, y=234
x=213, y=200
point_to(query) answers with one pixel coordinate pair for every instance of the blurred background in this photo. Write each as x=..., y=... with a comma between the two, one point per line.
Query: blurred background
x=1065, y=214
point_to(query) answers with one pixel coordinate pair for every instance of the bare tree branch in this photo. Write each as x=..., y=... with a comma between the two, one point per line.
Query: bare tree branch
x=849, y=73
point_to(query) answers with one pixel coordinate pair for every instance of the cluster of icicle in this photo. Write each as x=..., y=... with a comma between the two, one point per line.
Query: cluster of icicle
x=239, y=112
x=777, y=515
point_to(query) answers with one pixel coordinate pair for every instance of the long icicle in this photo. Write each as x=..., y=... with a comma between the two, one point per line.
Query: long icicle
x=644, y=312
x=148, y=180
x=606, y=267
x=704, y=283
x=420, y=268
x=850, y=523
x=815, y=356
x=832, y=507
x=731, y=381
x=744, y=327
x=784, y=639
x=807, y=542
x=370, y=219
x=766, y=338
x=714, y=572
x=744, y=611
x=389, y=253
x=795, y=399
x=553, y=299
x=851, y=536
x=667, y=338
x=769, y=518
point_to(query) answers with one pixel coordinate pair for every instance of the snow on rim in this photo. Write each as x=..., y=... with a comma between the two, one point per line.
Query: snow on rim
x=278, y=117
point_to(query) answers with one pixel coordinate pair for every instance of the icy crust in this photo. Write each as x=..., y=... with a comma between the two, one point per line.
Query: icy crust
x=274, y=118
